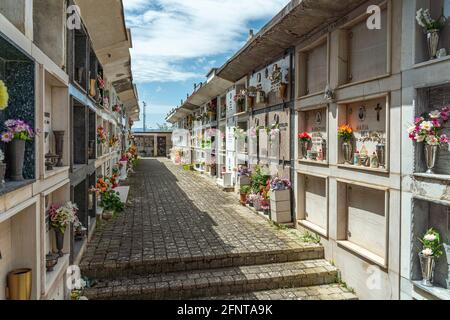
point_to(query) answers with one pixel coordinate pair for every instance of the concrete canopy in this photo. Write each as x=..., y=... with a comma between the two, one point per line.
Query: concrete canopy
x=285, y=30
x=111, y=40
x=213, y=88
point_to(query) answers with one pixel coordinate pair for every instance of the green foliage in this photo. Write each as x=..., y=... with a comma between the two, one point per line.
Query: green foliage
x=432, y=240
x=245, y=189
x=258, y=180
x=309, y=237
x=343, y=284
x=111, y=201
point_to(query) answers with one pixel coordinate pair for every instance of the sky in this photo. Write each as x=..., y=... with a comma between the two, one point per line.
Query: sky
x=176, y=43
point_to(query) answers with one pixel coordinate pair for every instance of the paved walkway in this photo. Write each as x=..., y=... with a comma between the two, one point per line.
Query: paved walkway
x=181, y=237
x=173, y=214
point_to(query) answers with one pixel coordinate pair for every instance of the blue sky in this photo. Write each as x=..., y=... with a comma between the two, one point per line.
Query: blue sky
x=176, y=42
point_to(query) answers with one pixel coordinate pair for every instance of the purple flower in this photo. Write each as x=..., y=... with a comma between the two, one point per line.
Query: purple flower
x=436, y=123
x=10, y=123
x=7, y=136
x=444, y=139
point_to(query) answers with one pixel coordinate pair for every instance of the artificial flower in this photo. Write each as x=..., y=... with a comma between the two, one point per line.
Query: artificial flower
x=345, y=132
x=420, y=138
x=304, y=137
x=427, y=252
x=17, y=129
x=435, y=114
x=432, y=140
x=6, y=136
x=430, y=237
x=4, y=96
x=426, y=125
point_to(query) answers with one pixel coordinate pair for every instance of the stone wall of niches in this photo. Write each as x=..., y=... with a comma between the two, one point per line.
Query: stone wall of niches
x=18, y=73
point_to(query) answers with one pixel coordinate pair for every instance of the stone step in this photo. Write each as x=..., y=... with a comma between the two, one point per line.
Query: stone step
x=217, y=282
x=322, y=292
x=110, y=269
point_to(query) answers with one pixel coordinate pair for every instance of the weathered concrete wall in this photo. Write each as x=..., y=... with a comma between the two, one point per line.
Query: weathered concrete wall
x=49, y=29
x=14, y=11
x=360, y=228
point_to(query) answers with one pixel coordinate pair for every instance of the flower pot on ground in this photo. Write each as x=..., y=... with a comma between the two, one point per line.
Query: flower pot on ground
x=19, y=284
x=432, y=250
x=428, y=129
x=60, y=218
x=244, y=191
x=280, y=200
x=107, y=215
x=111, y=204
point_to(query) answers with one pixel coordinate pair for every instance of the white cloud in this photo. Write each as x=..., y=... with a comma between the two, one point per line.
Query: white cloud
x=167, y=33
x=134, y=4
x=159, y=89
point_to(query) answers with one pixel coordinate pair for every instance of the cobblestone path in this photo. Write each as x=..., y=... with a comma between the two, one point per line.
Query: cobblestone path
x=179, y=227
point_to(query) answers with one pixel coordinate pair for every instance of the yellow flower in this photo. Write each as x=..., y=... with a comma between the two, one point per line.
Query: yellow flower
x=4, y=97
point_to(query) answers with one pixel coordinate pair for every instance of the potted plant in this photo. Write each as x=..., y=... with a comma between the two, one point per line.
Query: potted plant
x=345, y=133
x=432, y=29
x=305, y=140
x=244, y=191
x=60, y=218
x=428, y=129
x=432, y=250
x=280, y=200
x=111, y=204
x=17, y=133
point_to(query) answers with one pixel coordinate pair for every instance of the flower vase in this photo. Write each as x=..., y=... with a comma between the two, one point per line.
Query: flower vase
x=107, y=215
x=59, y=242
x=15, y=158
x=19, y=284
x=59, y=146
x=282, y=91
x=304, y=149
x=447, y=253
x=123, y=170
x=427, y=264
x=433, y=42
x=243, y=198
x=430, y=157
x=2, y=174
x=347, y=151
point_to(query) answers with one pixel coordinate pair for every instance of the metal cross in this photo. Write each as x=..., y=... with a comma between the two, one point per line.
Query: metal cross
x=378, y=110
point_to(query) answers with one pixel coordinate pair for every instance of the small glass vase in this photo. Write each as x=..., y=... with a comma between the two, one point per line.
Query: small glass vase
x=347, y=151
x=304, y=149
x=427, y=265
x=430, y=157
x=433, y=37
